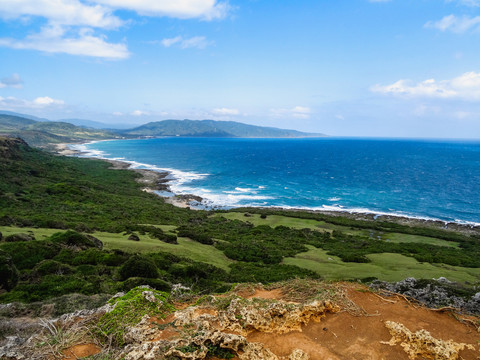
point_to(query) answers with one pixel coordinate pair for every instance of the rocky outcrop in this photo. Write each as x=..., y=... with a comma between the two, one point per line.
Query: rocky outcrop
x=199, y=332
x=435, y=293
x=423, y=344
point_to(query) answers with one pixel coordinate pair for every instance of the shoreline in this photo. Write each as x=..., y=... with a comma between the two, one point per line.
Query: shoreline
x=156, y=182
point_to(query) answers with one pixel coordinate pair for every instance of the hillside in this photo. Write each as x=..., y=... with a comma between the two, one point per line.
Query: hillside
x=211, y=128
x=45, y=133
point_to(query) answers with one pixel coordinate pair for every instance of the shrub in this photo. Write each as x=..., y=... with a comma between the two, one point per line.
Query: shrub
x=19, y=237
x=138, y=266
x=73, y=239
x=157, y=284
x=8, y=272
x=51, y=267
x=128, y=311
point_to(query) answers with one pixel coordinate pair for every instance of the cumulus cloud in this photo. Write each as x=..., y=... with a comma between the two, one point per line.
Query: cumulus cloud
x=465, y=86
x=12, y=81
x=81, y=16
x=299, y=112
x=182, y=9
x=62, y=12
x=225, y=111
x=139, y=113
x=53, y=39
x=456, y=24
x=42, y=102
x=199, y=42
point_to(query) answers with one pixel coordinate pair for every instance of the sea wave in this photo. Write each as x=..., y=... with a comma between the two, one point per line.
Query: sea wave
x=182, y=182
x=178, y=178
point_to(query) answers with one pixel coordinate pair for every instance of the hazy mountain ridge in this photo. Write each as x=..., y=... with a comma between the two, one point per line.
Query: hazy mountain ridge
x=213, y=128
x=41, y=132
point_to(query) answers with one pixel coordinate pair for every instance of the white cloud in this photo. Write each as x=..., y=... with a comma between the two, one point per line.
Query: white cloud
x=169, y=42
x=225, y=111
x=13, y=81
x=199, y=42
x=299, y=112
x=139, y=113
x=182, y=9
x=12, y=103
x=62, y=12
x=117, y=113
x=46, y=100
x=456, y=24
x=53, y=39
x=465, y=86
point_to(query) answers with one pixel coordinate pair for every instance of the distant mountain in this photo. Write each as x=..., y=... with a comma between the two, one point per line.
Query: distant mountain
x=30, y=117
x=43, y=133
x=212, y=128
x=87, y=123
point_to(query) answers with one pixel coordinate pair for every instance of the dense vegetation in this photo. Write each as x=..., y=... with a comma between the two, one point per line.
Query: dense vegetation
x=81, y=196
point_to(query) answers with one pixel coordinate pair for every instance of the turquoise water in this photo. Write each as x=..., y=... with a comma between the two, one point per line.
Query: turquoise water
x=426, y=179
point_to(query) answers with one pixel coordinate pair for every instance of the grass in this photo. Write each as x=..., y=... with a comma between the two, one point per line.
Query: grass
x=185, y=247
x=277, y=220
x=401, y=238
x=40, y=233
x=298, y=223
x=386, y=266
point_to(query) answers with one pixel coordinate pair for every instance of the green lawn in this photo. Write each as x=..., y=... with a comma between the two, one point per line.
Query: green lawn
x=386, y=266
x=185, y=247
x=39, y=233
x=297, y=223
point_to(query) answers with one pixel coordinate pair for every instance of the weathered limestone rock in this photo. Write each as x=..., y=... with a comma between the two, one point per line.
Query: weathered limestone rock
x=244, y=316
x=422, y=343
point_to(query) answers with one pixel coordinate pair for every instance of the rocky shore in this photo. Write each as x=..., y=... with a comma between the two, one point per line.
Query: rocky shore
x=157, y=182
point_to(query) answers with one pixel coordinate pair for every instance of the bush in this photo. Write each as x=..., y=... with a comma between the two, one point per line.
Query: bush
x=51, y=267
x=73, y=239
x=157, y=284
x=19, y=237
x=8, y=272
x=138, y=266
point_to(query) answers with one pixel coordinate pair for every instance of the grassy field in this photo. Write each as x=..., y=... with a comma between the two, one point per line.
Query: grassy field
x=185, y=247
x=297, y=223
x=386, y=266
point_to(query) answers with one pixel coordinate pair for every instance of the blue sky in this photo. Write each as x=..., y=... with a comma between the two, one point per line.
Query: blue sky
x=398, y=68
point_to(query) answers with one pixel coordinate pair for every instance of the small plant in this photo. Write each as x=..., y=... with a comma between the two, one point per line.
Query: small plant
x=129, y=310
x=219, y=352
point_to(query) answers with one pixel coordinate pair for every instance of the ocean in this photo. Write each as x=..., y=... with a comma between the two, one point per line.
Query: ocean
x=431, y=179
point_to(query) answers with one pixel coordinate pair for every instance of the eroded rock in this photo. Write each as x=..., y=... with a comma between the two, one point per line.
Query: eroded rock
x=423, y=344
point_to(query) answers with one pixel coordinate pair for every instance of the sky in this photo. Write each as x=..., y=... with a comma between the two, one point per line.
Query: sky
x=369, y=68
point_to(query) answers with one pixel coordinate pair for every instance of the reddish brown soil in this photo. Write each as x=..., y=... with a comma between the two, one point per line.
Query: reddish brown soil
x=266, y=294
x=80, y=351
x=344, y=336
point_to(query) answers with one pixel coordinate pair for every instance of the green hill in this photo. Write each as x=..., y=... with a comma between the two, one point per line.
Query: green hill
x=45, y=133
x=212, y=128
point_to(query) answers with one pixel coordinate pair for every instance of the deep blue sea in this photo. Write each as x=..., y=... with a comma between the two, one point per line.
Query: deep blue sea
x=426, y=179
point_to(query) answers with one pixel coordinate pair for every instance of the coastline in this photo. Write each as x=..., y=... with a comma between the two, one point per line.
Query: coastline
x=157, y=182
